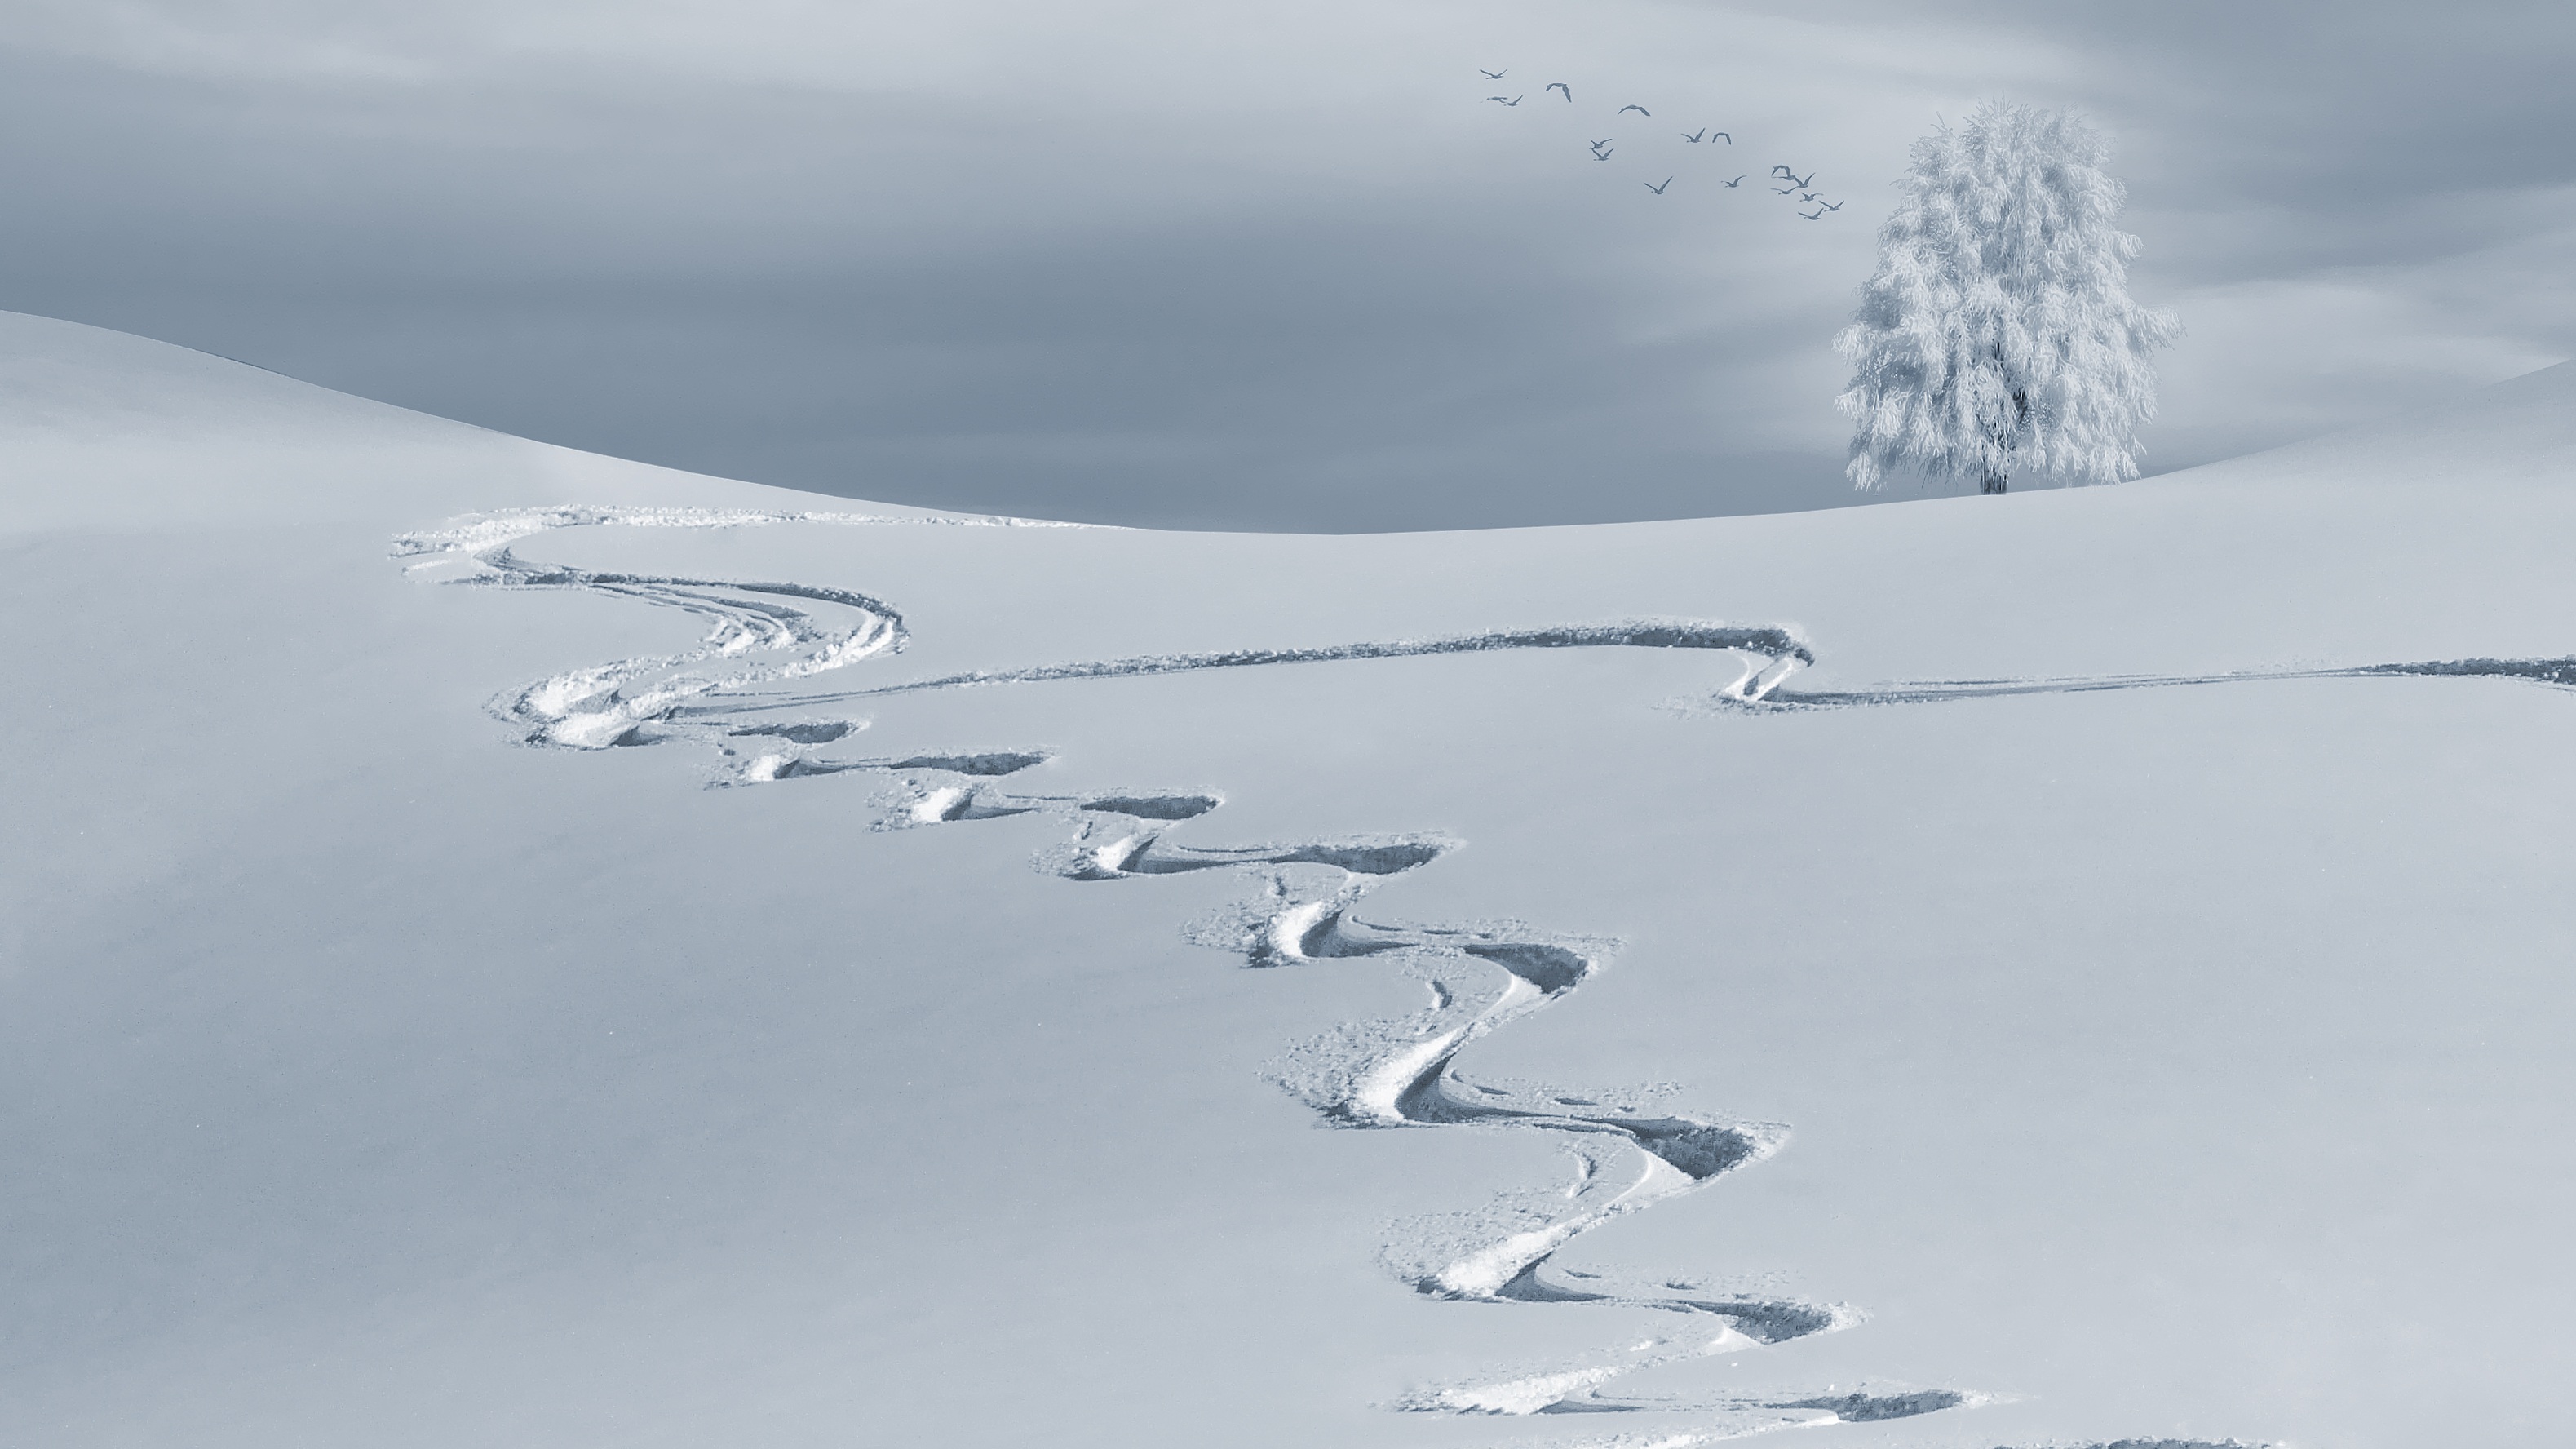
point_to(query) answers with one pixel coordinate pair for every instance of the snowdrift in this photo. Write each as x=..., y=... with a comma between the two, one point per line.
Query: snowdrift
x=512, y=946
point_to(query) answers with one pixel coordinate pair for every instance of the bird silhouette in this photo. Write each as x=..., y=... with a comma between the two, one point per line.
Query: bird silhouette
x=1816, y=215
x=1640, y=110
x=1721, y=135
x=1493, y=74
x=1658, y=190
x=1561, y=86
x=1604, y=141
x=1738, y=181
x=1809, y=196
x=1694, y=139
x=1782, y=190
x=1779, y=170
x=1514, y=101
x=1836, y=206
x=1604, y=155
x=1802, y=182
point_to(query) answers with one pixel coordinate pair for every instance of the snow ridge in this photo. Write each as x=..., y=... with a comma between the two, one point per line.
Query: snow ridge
x=1627, y=1153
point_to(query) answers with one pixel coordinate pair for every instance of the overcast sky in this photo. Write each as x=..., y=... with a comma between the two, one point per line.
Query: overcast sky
x=1252, y=266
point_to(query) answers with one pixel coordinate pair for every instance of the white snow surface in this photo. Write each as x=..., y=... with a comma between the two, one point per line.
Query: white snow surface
x=512, y=947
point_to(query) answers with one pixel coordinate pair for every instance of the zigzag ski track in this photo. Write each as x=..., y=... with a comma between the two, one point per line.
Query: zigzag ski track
x=742, y=694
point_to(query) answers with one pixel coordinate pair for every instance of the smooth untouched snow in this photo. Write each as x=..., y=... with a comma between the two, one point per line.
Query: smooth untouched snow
x=405, y=1045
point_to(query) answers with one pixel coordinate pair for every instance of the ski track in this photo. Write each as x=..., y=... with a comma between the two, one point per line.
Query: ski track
x=1781, y=651
x=1749, y=1414
x=1625, y=1152
x=2551, y=673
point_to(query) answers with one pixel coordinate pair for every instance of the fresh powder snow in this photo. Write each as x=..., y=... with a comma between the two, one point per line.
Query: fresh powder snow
x=512, y=946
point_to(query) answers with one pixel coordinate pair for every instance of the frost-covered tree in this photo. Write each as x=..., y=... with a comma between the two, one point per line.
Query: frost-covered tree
x=1998, y=336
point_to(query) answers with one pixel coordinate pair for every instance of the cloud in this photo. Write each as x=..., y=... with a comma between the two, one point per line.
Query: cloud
x=1276, y=267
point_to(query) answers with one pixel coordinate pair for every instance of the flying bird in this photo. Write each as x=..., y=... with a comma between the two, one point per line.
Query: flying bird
x=1658, y=190
x=1561, y=86
x=1836, y=206
x=1738, y=181
x=1694, y=139
x=1514, y=101
x=1782, y=190
x=1779, y=170
x=1604, y=155
x=1604, y=141
x=1721, y=135
x=1493, y=74
x=1802, y=181
x=1809, y=196
x=1816, y=215
x=1640, y=110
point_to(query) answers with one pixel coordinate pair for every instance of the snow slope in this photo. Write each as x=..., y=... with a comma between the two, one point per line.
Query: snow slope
x=514, y=947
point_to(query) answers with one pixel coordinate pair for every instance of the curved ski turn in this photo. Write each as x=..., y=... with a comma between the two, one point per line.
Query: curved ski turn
x=742, y=694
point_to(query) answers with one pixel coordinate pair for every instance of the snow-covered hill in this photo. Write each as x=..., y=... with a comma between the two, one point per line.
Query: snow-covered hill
x=513, y=947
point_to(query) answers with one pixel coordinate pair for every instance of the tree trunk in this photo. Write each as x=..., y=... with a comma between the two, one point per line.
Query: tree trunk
x=1994, y=476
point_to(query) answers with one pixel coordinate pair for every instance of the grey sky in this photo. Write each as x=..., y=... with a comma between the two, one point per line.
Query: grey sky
x=1275, y=267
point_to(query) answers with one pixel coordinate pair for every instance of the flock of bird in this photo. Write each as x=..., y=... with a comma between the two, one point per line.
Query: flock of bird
x=1793, y=184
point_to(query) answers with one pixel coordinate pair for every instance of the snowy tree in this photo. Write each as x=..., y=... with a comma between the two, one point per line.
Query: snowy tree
x=1998, y=335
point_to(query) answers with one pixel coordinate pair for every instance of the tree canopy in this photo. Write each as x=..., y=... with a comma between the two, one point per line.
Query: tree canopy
x=1998, y=335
